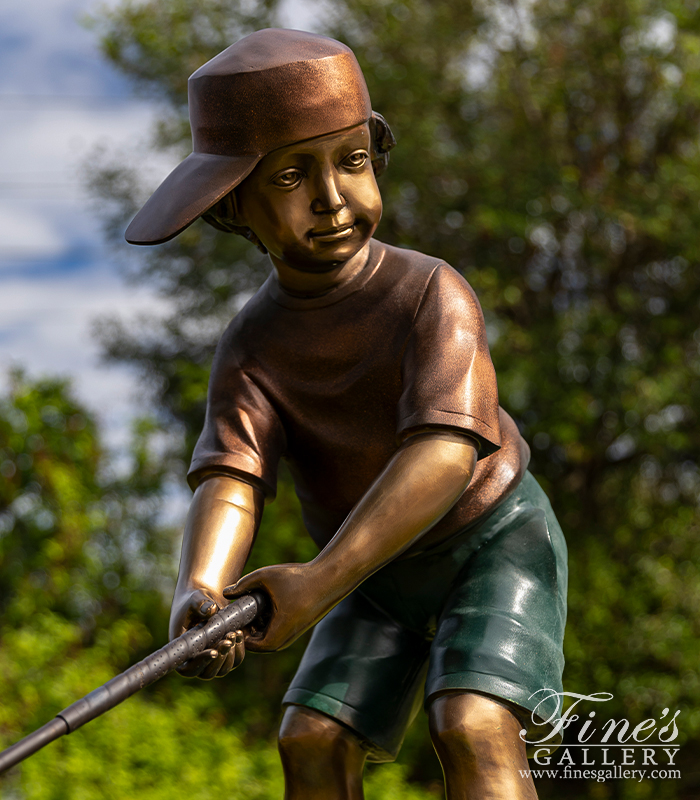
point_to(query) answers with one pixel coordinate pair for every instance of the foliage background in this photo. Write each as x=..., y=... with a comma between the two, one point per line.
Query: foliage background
x=549, y=151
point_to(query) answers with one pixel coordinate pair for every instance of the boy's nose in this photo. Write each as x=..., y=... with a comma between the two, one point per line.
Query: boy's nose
x=328, y=196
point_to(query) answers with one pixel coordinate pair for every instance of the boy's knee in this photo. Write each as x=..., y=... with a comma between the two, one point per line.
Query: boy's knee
x=471, y=723
x=307, y=735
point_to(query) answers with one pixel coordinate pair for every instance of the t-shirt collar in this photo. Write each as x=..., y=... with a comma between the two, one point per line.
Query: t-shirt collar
x=287, y=300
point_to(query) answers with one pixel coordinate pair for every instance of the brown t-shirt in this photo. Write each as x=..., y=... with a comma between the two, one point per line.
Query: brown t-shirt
x=333, y=383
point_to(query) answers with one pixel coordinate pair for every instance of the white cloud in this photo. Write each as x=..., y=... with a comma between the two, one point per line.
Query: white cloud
x=45, y=327
x=44, y=48
x=42, y=151
x=24, y=237
x=51, y=138
x=304, y=15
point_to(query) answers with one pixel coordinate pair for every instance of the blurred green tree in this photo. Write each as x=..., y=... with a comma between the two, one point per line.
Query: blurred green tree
x=75, y=539
x=550, y=152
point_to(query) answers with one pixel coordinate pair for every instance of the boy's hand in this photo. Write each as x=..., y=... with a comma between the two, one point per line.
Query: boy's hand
x=191, y=609
x=295, y=604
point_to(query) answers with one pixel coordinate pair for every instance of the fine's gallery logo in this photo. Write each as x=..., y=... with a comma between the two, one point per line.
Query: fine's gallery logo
x=614, y=748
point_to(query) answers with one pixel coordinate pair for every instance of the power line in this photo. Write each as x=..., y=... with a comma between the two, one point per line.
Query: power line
x=70, y=97
x=40, y=189
x=37, y=184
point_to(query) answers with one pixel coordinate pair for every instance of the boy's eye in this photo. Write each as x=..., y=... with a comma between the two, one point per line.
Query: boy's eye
x=356, y=159
x=288, y=178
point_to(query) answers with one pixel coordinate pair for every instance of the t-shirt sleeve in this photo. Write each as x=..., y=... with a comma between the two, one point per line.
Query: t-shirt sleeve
x=242, y=433
x=447, y=374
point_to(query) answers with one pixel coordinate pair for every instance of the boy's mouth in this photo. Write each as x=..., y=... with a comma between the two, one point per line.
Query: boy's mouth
x=332, y=234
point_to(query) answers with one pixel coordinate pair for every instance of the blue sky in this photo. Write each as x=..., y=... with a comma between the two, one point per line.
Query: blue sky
x=59, y=101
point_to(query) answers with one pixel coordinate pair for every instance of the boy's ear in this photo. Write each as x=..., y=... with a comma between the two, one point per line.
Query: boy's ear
x=225, y=216
x=382, y=141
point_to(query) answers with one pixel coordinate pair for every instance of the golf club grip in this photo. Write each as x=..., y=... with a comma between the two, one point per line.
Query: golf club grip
x=233, y=617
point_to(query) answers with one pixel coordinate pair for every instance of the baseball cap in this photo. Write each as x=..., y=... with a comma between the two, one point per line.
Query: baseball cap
x=270, y=89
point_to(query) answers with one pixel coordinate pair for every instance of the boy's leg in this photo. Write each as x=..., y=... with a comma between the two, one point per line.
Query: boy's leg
x=321, y=758
x=478, y=743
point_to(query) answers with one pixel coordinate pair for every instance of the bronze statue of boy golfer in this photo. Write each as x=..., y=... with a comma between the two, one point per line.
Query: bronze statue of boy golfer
x=366, y=368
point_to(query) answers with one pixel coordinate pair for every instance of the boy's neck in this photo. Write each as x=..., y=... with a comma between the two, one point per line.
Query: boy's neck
x=312, y=284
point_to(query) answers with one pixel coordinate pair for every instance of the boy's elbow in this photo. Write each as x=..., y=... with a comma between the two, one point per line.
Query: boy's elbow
x=449, y=457
x=460, y=462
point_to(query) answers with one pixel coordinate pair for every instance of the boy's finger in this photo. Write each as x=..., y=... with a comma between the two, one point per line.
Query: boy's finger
x=226, y=644
x=239, y=649
x=211, y=670
x=194, y=667
x=235, y=655
x=227, y=650
x=229, y=663
x=207, y=608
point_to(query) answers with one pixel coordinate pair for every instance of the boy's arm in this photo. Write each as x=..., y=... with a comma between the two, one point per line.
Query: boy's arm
x=219, y=533
x=422, y=481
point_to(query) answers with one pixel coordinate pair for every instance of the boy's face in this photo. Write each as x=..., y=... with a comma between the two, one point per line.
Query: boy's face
x=314, y=204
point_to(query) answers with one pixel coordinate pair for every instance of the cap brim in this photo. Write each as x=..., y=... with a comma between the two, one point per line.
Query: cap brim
x=191, y=189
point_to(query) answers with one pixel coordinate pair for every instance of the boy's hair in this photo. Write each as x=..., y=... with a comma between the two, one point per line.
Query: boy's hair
x=222, y=214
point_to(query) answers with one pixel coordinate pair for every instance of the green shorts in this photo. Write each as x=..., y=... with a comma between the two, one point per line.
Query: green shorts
x=483, y=611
